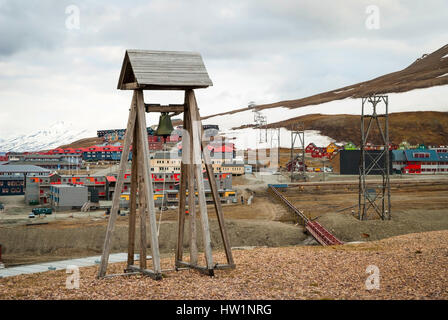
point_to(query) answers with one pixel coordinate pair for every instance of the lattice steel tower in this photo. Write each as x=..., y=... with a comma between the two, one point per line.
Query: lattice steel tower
x=260, y=123
x=296, y=164
x=274, y=151
x=374, y=197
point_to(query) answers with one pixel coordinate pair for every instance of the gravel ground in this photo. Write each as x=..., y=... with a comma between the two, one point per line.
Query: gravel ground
x=411, y=266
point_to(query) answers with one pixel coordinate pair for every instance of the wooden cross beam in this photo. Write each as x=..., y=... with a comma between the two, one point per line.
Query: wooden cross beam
x=176, y=108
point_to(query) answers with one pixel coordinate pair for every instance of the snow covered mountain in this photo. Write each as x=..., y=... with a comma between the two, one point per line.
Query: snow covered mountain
x=59, y=133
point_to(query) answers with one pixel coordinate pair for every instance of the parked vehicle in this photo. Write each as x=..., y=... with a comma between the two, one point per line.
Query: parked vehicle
x=39, y=211
x=123, y=213
x=31, y=215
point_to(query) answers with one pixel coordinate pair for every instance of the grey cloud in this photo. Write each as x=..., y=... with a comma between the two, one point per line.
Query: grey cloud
x=31, y=24
x=293, y=48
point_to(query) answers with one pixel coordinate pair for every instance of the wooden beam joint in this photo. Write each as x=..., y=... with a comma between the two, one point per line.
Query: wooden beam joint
x=203, y=270
x=176, y=108
x=146, y=272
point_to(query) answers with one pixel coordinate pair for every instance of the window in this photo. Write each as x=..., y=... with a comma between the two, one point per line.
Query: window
x=421, y=155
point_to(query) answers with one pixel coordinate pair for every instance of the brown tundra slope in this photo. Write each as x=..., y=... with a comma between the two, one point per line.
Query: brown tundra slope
x=83, y=143
x=428, y=127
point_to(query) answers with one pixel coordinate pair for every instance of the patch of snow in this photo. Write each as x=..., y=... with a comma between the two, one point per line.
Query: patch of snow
x=445, y=56
x=443, y=75
x=249, y=138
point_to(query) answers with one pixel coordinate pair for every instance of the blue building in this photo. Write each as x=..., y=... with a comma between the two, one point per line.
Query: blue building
x=12, y=178
x=11, y=185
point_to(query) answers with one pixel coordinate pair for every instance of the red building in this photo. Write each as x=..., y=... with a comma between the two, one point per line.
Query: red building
x=310, y=148
x=319, y=152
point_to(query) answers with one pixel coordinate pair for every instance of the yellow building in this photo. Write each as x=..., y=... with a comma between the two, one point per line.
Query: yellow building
x=332, y=147
x=164, y=162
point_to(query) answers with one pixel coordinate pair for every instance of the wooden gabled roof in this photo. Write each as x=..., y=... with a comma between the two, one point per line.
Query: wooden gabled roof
x=163, y=70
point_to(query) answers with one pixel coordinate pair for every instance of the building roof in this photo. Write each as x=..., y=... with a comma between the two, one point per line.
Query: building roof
x=166, y=155
x=67, y=152
x=57, y=186
x=221, y=149
x=398, y=155
x=103, y=149
x=45, y=156
x=232, y=165
x=111, y=179
x=43, y=163
x=18, y=168
x=149, y=69
x=443, y=156
x=11, y=177
x=411, y=155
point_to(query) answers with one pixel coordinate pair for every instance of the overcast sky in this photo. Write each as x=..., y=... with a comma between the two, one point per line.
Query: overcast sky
x=258, y=50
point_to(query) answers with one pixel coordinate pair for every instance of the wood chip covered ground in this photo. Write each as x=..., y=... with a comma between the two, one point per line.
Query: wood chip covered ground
x=412, y=266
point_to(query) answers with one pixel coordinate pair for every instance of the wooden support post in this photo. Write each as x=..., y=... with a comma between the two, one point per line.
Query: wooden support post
x=182, y=201
x=142, y=198
x=133, y=199
x=196, y=130
x=118, y=187
x=215, y=195
x=191, y=195
x=147, y=184
x=181, y=213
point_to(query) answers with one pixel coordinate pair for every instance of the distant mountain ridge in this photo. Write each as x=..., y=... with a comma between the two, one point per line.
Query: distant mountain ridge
x=60, y=133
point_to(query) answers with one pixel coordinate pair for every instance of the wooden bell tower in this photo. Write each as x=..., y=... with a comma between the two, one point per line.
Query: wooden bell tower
x=165, y=70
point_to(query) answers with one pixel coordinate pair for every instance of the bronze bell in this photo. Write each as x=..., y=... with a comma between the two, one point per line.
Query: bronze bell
x=165, y=126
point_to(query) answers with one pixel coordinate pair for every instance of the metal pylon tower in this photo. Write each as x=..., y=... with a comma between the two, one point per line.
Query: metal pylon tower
x=274, y=151
x=374, y=197
x=260, y=123
x=297, y=161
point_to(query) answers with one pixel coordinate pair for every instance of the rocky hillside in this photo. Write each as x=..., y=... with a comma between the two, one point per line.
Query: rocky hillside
x=83, y=143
